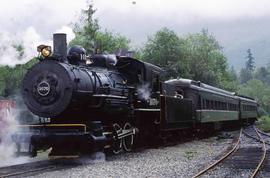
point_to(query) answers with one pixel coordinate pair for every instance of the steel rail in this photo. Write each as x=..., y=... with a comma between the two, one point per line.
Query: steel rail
x=26, y=172
x=263, y=133
x=250, y=136
x=263, y=157
x=221, y=159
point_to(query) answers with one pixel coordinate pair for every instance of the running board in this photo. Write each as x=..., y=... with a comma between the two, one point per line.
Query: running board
x=53, y=157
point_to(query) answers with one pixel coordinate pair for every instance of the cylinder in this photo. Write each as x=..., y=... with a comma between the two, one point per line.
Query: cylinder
x=60, y=46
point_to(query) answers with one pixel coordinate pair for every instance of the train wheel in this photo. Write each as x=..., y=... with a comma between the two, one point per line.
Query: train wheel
x=129, y=140
x=117, y=144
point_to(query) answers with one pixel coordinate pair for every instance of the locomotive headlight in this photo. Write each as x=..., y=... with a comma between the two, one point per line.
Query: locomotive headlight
x=44, y=50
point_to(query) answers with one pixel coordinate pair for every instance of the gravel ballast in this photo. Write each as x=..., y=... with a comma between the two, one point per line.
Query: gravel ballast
x=182, y=160
x=231, y=170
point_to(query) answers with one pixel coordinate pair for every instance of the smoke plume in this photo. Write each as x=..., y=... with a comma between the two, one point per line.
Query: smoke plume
x=96, y=157
x=9, y=127
x=144, y=92
x=21, y=47
x=18, y=49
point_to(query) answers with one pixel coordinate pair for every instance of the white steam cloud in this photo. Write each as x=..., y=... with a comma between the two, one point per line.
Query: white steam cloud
x=11, y=55
x=67, y=30
x=144, y=92
x=8, y=148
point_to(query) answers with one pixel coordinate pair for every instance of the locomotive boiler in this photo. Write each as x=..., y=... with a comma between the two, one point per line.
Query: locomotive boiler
x=109, y=102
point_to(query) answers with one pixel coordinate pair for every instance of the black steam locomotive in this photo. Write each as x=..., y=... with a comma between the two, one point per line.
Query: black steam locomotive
x=111, y=102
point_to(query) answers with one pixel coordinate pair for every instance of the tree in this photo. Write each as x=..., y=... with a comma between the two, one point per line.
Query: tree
x=250, y=64
x=196, y=56
x=164, y=49
x=263, y=74
x=206, y=61
x=233, y=73
x=107, y=42
x=246, y=73
x=10, y=78
x=88, y=34
x=86, y=30
x=259, y=91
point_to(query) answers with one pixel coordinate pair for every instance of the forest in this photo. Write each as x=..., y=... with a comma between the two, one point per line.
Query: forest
x=197, y=56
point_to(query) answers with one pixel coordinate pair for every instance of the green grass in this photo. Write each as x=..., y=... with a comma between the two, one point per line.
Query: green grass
x=189, y=154
x=264, y=123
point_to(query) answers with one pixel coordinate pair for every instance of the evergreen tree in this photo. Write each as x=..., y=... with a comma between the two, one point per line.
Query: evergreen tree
x=233, y=73
x=86, y=30
x=250, y=64
x=263, y=75
x=88, y=34
x=246, y=73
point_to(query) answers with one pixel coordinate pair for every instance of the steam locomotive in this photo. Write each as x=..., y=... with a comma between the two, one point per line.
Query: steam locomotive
x=112, y=102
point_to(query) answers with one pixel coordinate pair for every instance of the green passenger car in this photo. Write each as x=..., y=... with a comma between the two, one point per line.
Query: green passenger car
x=208, y=105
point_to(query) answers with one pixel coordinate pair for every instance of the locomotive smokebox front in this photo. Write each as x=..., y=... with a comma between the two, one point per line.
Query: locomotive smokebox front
x=51, y=85
x=47, y=88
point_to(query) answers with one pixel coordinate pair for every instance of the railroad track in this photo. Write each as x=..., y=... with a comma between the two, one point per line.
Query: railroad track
x=33, y=168
x=267, y=141
x=265, y=136
x=244, y=155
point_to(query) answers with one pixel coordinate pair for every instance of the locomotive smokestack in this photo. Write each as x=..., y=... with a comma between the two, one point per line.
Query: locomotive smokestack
x=60, y=46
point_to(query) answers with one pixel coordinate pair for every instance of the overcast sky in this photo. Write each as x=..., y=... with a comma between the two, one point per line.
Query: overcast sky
x=235, y=23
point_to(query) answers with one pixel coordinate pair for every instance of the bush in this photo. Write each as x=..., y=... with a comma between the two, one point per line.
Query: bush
x=264, y=123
